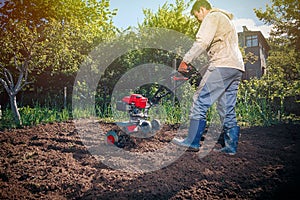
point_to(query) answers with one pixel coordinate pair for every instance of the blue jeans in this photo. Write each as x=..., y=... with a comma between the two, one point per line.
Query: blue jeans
x=219, y=84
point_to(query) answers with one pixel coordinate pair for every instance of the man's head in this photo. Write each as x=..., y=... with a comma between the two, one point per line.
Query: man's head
x=200, y=9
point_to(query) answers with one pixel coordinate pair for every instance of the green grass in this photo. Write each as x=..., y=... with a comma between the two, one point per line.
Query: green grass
x=256, y=113
x=38, y=115
x=34, y=116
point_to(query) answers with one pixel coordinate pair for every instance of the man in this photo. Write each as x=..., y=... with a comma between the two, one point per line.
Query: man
x=217, y=36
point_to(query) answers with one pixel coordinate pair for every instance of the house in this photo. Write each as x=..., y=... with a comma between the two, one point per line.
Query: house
x=254, y=42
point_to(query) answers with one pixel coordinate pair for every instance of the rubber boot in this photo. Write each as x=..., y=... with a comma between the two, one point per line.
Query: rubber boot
x=193, y=138
x=231, y=137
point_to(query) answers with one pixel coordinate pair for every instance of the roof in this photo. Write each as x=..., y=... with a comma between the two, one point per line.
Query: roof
x=262, y=39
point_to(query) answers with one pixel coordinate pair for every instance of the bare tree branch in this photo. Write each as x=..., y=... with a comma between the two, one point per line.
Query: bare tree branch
x=9, y=78
x=23, y=85
x=5, y=86
x=21, y=77
x=24, y=79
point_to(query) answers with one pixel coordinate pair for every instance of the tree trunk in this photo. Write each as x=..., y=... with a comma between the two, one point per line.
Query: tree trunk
x=15, y=110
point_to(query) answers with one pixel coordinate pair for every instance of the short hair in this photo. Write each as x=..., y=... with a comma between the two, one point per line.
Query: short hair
x=200, y=3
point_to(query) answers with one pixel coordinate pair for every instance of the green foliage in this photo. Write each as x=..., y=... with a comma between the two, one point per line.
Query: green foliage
x=254, y=104
x=283, y=15
x=54, y=34
x=172, y=16
x=174, y=113
x=7, y=120
x=283, y=71
x=35, y=116
x=86, y=112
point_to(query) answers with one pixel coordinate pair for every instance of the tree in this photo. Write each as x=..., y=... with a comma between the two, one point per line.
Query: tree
x=172, y=16
x=19, y=54
x=53, y=35
x=283, y=61
x=284, y=16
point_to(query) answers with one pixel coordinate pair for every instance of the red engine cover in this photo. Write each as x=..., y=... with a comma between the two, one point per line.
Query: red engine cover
x=138, y=100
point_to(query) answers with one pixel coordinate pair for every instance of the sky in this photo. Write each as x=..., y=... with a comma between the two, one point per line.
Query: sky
x=130, y=12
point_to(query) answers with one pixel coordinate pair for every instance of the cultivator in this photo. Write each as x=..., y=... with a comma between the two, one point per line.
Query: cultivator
x=138, y=107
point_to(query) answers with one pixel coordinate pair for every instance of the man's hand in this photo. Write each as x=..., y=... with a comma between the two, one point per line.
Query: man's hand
x=183, y=67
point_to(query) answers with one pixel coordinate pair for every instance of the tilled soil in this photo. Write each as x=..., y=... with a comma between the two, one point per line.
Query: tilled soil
x=50, y=161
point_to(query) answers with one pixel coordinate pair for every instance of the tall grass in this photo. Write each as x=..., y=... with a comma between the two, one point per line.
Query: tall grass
x=255, y=112
x=38, y=115
x=255, y=105
x=34, y=116
x=87, y=112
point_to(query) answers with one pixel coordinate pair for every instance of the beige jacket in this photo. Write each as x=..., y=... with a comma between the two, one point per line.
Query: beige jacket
x=217, y=36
